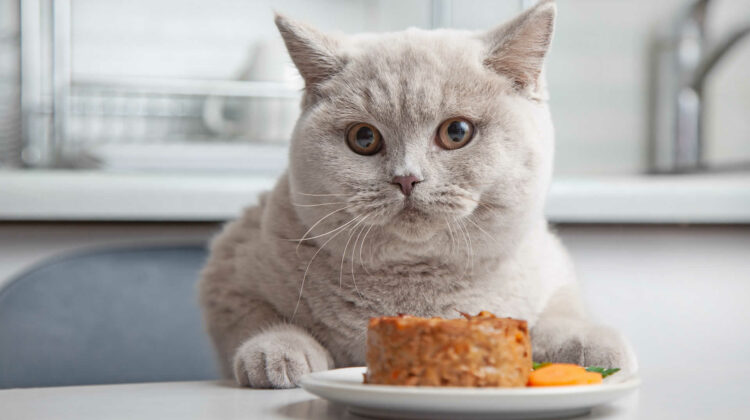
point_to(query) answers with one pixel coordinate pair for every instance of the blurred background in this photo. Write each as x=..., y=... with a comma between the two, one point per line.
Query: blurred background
x=164, y=84
x=147, y=123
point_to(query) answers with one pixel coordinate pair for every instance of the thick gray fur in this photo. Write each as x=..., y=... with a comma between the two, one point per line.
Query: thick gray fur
x=290, y=285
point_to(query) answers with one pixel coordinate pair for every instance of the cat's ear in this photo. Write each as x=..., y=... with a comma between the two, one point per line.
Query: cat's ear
x=517, y=49
x=313, y=52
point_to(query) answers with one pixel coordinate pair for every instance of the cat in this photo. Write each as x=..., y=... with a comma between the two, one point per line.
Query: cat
x=416, y=184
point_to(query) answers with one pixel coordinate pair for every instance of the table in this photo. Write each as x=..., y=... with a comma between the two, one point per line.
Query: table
x=667, y=394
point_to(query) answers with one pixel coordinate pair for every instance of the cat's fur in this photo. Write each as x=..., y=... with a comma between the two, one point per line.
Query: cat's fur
x=472, y=236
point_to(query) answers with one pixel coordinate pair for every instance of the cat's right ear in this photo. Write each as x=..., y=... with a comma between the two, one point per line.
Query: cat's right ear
x=517, y=49
x=313, y=52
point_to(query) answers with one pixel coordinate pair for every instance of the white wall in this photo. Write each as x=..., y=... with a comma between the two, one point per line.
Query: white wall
x=597, y=68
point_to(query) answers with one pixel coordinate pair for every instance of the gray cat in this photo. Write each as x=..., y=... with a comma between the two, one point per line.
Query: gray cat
x=416, y=184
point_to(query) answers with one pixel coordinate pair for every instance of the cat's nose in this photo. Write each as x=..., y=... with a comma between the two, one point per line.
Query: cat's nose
x=406, y=182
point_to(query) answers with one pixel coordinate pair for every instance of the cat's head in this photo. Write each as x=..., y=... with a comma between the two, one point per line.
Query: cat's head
x=417, y=129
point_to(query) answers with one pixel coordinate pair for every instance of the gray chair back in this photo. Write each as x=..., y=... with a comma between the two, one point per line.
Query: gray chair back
x=113, y=316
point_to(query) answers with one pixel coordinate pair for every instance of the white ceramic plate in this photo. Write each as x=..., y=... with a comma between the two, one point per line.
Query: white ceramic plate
x=344, y=386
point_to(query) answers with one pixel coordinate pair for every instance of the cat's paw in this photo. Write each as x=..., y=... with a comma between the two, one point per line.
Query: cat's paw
x=278, y=358
x=606, y=347
x=585, y=345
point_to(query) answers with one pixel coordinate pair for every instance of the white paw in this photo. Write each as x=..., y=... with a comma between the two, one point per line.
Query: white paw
x=586, y=345
x=606, y=347
x=278, y=358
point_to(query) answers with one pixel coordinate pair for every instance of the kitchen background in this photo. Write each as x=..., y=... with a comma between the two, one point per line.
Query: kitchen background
x=138, y=72
x=137, y=127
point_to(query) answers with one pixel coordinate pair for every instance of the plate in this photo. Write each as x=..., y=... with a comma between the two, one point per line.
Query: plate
x=344, y=386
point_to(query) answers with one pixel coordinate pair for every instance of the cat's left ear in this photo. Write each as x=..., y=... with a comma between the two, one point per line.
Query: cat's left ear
x=313, y=52
x=517, y=49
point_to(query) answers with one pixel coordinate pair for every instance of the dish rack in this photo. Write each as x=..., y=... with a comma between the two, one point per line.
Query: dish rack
x=84, y=122
x=140, y=123
x=10, y=81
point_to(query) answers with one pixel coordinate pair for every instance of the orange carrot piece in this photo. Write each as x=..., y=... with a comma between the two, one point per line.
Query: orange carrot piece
x=562, y=374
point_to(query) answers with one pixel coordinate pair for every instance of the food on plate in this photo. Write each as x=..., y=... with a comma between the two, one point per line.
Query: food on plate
x=474, y=351
x=562, y=374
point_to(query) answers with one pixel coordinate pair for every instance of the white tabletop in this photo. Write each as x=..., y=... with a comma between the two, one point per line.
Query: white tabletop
x=671, y=394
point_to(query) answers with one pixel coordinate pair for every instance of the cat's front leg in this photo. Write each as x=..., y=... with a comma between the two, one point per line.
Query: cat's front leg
x=278, y=357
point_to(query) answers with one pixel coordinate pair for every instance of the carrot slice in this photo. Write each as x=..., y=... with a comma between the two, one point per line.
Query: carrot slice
x=562, y=374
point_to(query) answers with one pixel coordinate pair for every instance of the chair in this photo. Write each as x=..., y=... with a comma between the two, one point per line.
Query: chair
x=111, y=316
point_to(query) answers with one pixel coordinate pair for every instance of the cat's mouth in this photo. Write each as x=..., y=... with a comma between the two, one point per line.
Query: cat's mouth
x=421, y=213
x=413, y=224
x=412, y=212
x=436, y=206
x=417, y=217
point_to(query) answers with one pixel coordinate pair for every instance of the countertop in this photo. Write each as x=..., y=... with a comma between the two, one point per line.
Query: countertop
x=173, y=196
x=677, y=394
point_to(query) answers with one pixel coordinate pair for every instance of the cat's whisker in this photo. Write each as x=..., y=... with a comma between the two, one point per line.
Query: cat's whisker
x=471, y=248
x=321, y=235
x=296, y=250
x=343, y=255
x=493, y=239
x=304, y=276
x=354, y=281
x=468, y=248
x=486, y=205
x=453, y=240
x=458, y=229
x=318, y=205
x=322, y=195
x=361, y=245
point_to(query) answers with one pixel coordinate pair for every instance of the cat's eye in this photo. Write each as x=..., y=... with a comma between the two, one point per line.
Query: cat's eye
x=454, y=133
x=364, y=139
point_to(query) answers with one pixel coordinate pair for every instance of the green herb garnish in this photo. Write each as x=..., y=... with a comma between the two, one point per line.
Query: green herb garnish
x=603, y=371
x=537, y=365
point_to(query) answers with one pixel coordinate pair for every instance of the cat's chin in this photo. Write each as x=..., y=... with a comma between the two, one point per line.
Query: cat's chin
x=413, y=225
x=412, y=234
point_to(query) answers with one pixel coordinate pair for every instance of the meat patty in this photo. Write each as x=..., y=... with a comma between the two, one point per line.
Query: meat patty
x=475, y=351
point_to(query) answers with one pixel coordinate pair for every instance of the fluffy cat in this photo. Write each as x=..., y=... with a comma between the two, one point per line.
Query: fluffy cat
x=416, y=184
